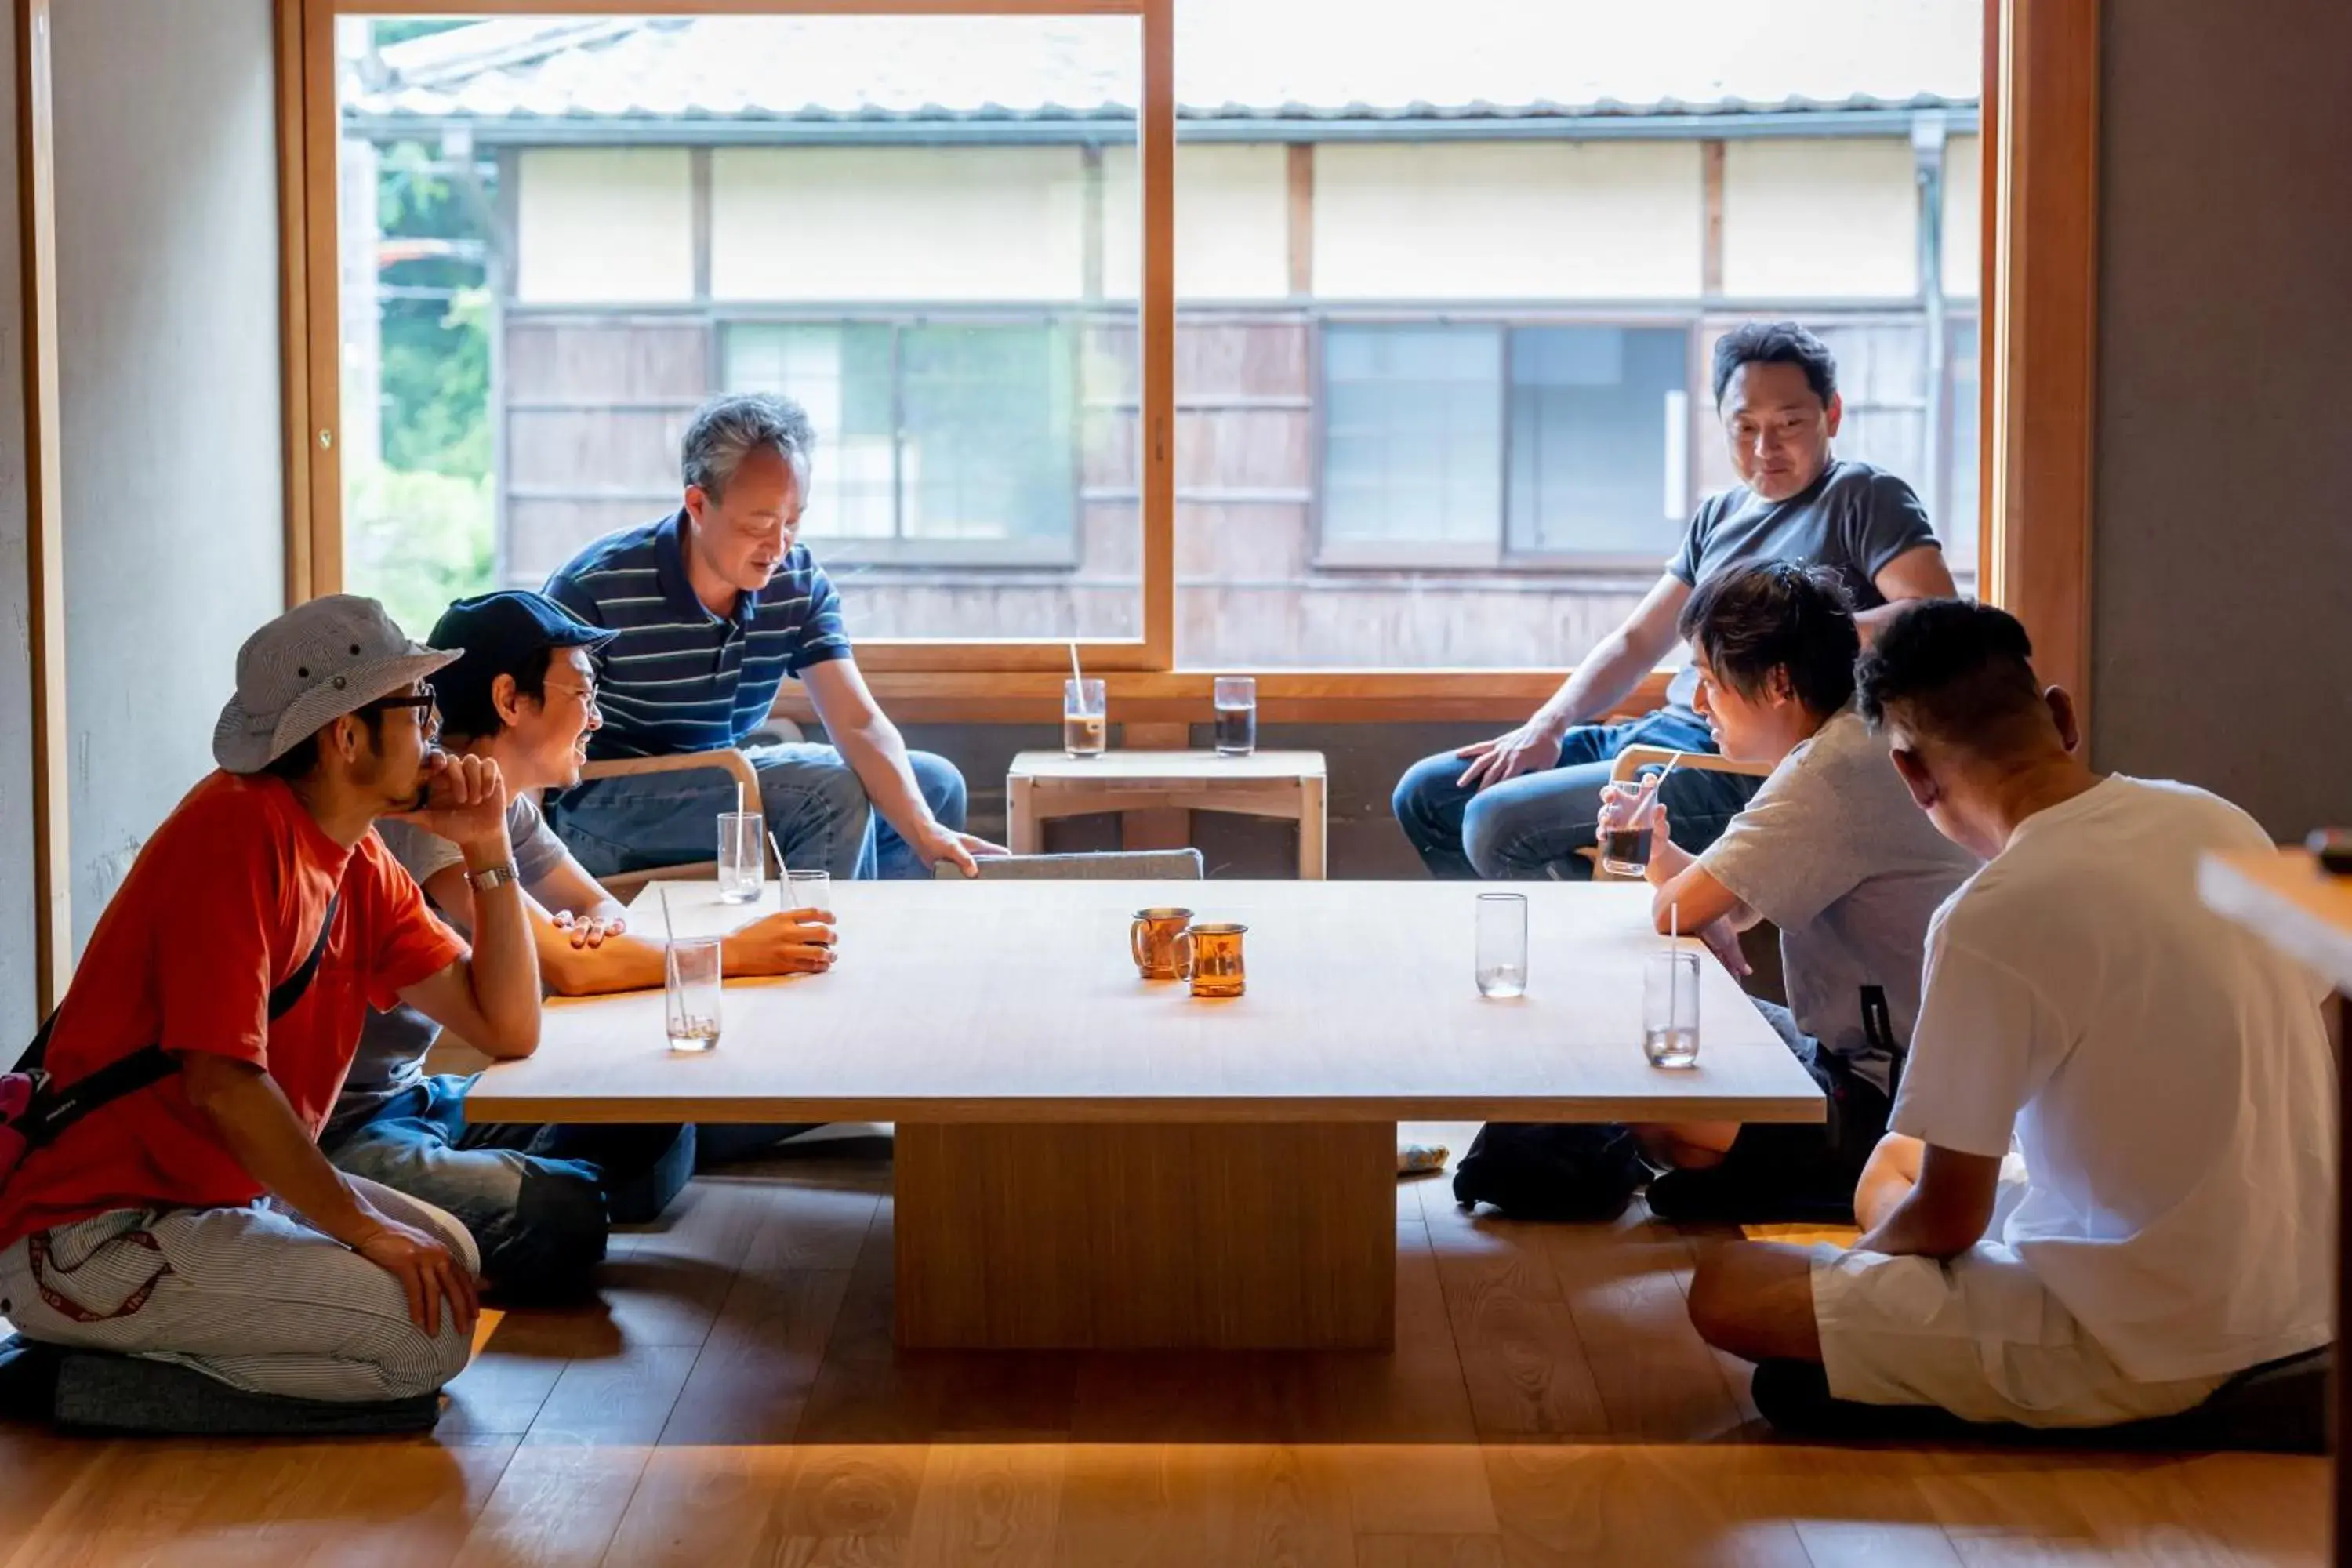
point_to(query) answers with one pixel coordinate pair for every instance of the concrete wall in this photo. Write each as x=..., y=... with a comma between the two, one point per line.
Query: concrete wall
x=173, y=490
x=16, y=957
x=2222, y=551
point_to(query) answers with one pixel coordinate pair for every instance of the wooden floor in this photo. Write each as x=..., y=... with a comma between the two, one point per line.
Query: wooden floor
x=735, y=1399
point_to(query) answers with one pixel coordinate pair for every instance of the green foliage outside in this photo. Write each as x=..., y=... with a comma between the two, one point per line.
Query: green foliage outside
x=418, y=529
x=416, y=541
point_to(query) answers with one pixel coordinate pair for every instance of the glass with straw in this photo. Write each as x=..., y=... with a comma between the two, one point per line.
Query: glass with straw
x=690, y=986
x=1670, y=1001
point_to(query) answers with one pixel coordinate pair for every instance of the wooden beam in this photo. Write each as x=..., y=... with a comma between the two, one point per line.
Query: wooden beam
x=2045, y=301
x=1300, y=170
x=1988, y=241
x=294, y=299
x=1157, y=413
x=312, y=215
x=1711, y=155
x=45, y=545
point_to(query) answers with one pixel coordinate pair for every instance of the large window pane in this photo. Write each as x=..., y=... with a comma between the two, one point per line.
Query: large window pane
x=561, y=235
x=1600, y=431
x=1443, y=392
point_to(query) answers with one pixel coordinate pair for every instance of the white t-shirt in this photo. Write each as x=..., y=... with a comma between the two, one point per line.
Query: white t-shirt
x=2167, y=1074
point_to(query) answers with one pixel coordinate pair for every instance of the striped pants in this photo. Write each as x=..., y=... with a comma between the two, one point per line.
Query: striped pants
x=253, y=1297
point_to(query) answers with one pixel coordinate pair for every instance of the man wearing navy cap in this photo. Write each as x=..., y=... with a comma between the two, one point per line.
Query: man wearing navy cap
x=539, y=1200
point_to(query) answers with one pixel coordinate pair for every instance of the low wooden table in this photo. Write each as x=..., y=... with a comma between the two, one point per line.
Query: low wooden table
x=1086, y=1159
x=1043, y=785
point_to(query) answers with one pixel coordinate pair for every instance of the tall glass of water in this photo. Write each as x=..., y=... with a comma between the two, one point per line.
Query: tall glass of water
x=1670, y=1009
x=1237, y=698
x=691, y=977
x=742, y=857
x=1502, y=944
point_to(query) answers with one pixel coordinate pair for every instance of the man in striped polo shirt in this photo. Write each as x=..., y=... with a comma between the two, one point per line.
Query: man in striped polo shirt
x=714, y=605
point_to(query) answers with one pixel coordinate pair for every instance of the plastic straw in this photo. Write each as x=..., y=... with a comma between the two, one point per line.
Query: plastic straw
x=1674, y=966
x=669, y=932
x=1076, y=673
x=781, y=878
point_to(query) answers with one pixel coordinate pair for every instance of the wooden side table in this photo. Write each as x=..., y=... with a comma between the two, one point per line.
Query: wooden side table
x=1288, y=785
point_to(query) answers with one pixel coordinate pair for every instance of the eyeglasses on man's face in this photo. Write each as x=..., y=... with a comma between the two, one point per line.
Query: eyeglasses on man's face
x=428, y=712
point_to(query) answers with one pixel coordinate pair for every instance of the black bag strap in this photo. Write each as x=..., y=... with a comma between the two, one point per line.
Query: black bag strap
x=57, y=1109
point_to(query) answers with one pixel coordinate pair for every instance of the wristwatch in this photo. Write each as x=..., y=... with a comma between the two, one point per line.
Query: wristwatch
x=492, y=878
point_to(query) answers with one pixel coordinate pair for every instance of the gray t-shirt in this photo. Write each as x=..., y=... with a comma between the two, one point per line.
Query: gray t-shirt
x=391, y=1056
x=1855, y=518
x=1833, y=851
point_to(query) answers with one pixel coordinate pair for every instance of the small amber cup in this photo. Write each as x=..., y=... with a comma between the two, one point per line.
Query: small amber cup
x=1156, y=941
x=1215, y=959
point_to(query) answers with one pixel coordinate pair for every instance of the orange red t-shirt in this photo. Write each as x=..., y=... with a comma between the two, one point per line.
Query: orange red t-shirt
x=221, y=907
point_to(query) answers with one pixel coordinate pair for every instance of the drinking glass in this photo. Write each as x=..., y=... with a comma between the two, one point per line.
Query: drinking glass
x=690, y=975
x=1625, y=831
x=1153, y=940
x=1086, y=721
x=742, y=857
x=1236, y=698
x=1502, y=944
x=805, y=890
x=1214, y=955
x=1670, y=1009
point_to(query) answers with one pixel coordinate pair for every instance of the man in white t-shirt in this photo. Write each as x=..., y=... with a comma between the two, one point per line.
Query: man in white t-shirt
x=2168, y=1220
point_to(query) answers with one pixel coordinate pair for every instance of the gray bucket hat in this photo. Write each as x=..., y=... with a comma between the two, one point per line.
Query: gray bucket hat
x=310, y=667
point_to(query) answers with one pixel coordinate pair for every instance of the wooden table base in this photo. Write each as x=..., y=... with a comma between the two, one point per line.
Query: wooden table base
x=1232, y=1235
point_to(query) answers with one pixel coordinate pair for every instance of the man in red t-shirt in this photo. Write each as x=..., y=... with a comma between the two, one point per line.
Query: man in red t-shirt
x=194, y=1221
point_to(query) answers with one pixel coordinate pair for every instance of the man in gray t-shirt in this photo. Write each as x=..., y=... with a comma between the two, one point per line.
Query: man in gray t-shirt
x=1833, y=852
x=1523, y=804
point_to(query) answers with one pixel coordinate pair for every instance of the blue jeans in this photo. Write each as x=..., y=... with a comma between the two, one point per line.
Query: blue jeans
x=812, y=800
x=1532, y=827
x=539, y=1200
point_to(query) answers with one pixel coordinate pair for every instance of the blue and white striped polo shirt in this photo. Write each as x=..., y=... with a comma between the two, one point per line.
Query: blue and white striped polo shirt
x=679, y=679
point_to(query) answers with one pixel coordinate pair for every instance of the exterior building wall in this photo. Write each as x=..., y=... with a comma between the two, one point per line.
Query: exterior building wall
x=605, y=224
x=933, y=223
x=1232, y=222
x=593, y=399
x=1820, y=219
x=1508, y=220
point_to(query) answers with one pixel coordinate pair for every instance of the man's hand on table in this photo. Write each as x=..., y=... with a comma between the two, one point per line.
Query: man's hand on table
x=793, y=941
x=960, y=850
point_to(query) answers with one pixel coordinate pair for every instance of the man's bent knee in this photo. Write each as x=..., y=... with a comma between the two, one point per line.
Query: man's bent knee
x=556, y=1235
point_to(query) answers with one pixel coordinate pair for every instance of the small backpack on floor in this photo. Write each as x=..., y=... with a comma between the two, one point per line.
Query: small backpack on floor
x=1551, y=1170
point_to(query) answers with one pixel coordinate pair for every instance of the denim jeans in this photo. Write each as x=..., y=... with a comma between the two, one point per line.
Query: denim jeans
x=1532, y=827
x=812, y=798
x=539, y=1200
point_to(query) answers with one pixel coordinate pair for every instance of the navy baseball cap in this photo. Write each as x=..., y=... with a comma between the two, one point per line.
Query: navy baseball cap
x=503, y=633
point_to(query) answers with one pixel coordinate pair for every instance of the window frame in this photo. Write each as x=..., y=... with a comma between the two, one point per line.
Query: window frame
x=2039, y=124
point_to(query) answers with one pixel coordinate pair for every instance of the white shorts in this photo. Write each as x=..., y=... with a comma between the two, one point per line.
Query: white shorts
x=1978, y=1335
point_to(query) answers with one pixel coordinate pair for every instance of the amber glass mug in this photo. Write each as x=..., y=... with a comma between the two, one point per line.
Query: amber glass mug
x=1156, y=940
x=1214, y=955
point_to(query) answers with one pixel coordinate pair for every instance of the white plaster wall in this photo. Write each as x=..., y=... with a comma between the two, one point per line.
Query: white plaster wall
x=851, y=224
x=1594, y=220
x=1820, y=219
x=603, y=225
x=169, y=365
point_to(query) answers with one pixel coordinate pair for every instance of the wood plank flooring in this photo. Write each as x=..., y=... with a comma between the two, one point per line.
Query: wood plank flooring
x=734, y=1399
